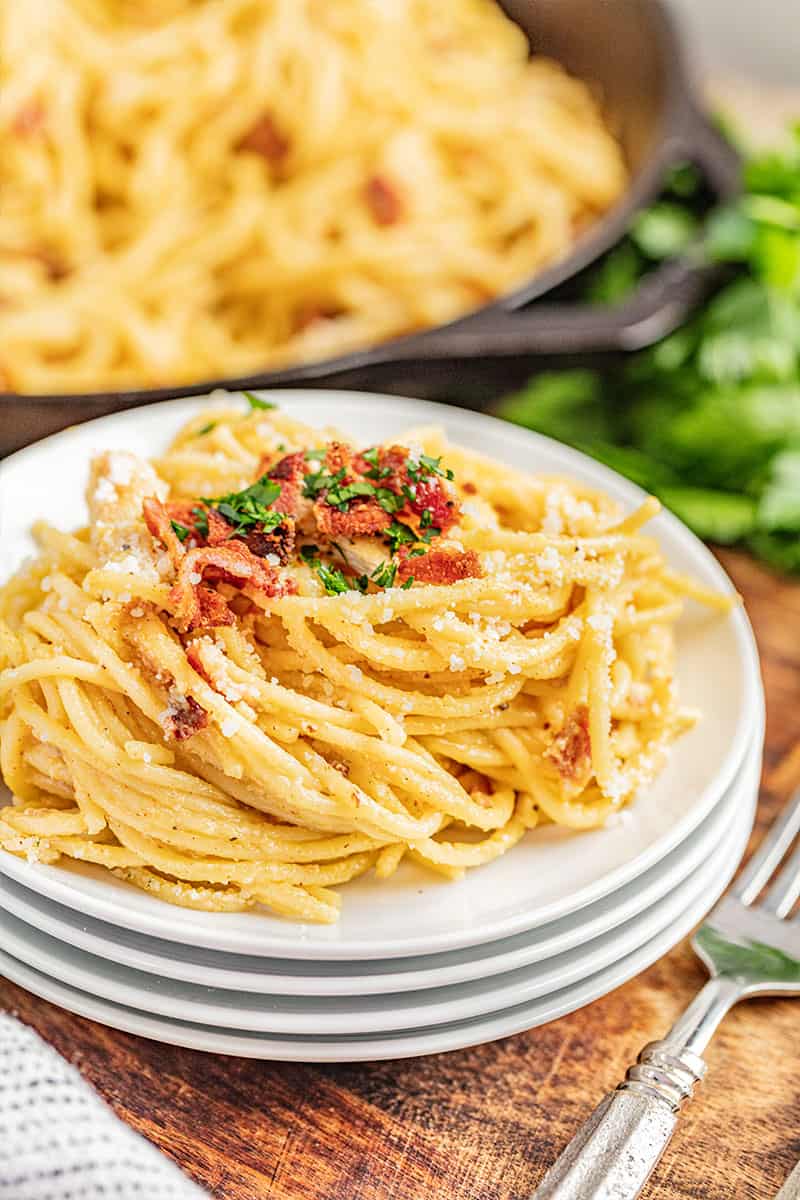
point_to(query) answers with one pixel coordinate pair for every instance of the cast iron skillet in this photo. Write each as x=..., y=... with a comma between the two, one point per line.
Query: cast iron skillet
x=630, y=49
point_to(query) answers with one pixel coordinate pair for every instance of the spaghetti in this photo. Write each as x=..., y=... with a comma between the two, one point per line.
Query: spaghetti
x=201, y=188
x=273, y=662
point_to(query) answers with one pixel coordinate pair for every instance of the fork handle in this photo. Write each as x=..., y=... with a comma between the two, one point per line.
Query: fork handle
x=613, y=1153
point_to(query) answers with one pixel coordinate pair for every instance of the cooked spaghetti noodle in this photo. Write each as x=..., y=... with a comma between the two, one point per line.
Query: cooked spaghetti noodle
x=198, y=188
x=272, y=663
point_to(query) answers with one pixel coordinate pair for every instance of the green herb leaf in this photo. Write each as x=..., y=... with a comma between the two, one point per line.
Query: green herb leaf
x=310, y=555
x=399, y=535
x=405, y=586
x=250, y=507
x=181, y=531
x=664, y=231
x=200, y=521
x=384, y=574
x=332, y=580
x=205, y=429
x=256, y=403
x=708, y=419
x=716, y=516
x=779, y=505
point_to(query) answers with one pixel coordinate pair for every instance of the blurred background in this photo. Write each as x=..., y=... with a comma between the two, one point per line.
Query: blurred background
x=392, y=197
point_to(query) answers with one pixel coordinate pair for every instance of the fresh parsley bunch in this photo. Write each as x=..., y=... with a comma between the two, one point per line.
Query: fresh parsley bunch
x=708, y=419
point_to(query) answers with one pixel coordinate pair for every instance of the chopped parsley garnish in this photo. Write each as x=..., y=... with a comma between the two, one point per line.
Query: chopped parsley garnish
x=206, y=428
x=402, y=535
x=388, y=500
x=376, y=471
x=333, y=580
x=257, y=403
x=384, y=574
x=181, y=531
x=339, y=494
x=200, y=521
x=310, y=555
x=426, y=465
x=362, y=582
x=318, y=481
x=315, y=455
x=405, y=586
x=250, y=507
x=399, y=535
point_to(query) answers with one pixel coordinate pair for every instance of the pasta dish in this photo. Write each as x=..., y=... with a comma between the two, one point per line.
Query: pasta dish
x=274, y=661
x=194, y=189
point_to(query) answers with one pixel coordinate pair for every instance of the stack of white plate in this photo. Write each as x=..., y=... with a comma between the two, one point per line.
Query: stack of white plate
x=416, y=965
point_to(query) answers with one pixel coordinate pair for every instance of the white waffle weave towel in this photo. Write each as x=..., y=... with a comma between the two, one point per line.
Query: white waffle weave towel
x=59, y=1141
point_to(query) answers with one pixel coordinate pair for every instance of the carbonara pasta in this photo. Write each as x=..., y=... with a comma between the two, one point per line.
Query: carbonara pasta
x=193, y=189
x=274, y=661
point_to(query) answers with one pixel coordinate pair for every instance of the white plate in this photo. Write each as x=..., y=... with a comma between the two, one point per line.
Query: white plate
x=329, y=1015
x=365, y=1047
x=413, y=913
x=297, y=978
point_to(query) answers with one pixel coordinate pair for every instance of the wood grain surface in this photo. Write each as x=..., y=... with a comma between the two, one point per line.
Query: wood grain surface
x=483, y=1123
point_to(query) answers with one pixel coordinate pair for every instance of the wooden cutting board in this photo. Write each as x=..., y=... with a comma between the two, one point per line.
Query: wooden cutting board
x=484, y=1123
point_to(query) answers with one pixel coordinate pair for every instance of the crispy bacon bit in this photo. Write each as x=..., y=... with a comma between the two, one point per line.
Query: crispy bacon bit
x=338, y=457
x=383, y=200
x=266, y=139
x=432, y=498
x=429, y=491
x=288, y=472
x=29, y=119
x=278, y=541
x=219, y=530
x=210, y=609
x=571, y=749
x=158, y=520
x=364, y=517
x=391, y=458
x=232, y=563
x=183, y=717
x=440, y=566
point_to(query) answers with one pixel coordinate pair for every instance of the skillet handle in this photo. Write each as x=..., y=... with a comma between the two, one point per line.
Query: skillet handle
x=662, y=302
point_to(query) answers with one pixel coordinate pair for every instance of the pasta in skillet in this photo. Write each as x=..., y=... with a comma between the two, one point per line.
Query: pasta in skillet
x=192, y=189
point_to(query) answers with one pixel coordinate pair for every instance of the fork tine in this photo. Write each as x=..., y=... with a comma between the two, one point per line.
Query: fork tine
x=786, y=888
x=770, y=852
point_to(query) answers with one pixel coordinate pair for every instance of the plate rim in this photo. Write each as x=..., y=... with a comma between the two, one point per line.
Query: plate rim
x=488, y=994
x=151, y=962
x=411, y=1044
x=176, y=925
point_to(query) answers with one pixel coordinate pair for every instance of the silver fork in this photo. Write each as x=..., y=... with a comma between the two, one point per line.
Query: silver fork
x=749, y=950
